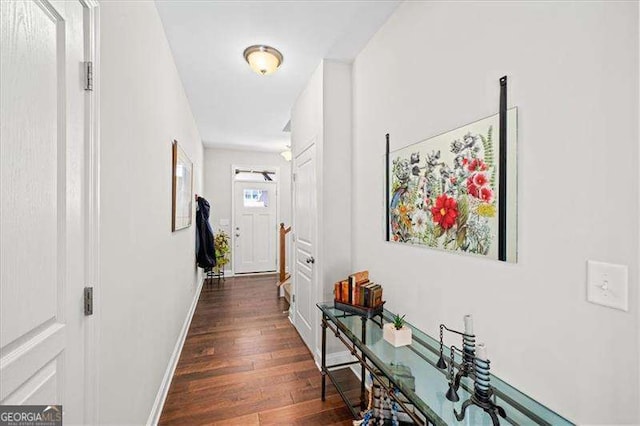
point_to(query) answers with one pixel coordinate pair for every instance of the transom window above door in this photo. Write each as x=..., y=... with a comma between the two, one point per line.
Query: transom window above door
x=248, y=175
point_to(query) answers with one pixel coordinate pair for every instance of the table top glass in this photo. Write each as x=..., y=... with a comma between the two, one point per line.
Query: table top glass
x=431, y=382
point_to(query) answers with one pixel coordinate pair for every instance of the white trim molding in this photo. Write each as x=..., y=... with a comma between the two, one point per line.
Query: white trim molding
x=333, y=358
x=92, y=209
x=339, y=358
x=161, y=396
x=638, y=159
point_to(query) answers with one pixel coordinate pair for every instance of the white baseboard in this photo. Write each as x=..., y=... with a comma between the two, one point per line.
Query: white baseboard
x=158, y=404
x=256, y=274
x=334, y=358
x=340, y=357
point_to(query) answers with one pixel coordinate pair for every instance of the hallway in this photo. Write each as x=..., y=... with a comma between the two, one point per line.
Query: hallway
x=480, y=160
x=244, y=363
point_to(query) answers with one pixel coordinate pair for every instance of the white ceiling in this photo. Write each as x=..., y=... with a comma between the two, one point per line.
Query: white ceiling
x=235, y=107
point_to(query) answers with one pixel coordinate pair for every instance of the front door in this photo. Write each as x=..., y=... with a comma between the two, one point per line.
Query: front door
x=304, y=225
x=42, y=153
x=255, y=227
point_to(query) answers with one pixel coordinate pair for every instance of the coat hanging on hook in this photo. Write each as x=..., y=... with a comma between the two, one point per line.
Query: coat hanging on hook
x=205, y=248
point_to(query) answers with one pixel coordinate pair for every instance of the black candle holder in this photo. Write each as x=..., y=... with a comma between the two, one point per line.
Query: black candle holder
x=466, y=366
x=482, y=393
x=472, y=367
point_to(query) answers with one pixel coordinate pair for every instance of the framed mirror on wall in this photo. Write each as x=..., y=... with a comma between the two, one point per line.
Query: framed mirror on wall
x=182, y=189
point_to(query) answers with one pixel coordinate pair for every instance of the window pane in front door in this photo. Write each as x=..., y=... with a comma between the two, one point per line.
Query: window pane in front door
x=256, y=198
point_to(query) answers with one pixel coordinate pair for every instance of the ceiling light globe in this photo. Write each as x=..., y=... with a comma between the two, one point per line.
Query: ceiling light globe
x=286, y=155
x=263, y=59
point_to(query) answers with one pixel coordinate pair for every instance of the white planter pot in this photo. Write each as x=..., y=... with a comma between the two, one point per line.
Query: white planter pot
x=397, y=338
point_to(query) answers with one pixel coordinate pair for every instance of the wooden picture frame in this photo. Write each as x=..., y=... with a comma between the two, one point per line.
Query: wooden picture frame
x=182, y=189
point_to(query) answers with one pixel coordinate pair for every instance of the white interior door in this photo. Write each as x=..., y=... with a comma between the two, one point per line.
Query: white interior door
x=42, y=138
x=305, y=219
x=255, y=227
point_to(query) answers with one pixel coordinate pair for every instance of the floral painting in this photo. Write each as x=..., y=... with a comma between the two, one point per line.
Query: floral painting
x=444, y=190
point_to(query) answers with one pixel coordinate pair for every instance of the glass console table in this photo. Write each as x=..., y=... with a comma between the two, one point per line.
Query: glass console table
x=363, y=337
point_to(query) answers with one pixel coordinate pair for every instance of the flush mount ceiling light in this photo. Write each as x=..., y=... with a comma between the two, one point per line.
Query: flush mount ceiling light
x=286, y=154
x=263, y=59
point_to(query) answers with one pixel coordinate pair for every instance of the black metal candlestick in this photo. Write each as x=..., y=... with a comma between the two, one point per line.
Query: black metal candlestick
x=466, y=367
x=473, y=367
x=482, y=393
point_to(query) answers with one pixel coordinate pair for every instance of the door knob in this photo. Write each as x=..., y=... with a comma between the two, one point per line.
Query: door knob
x=310, y=260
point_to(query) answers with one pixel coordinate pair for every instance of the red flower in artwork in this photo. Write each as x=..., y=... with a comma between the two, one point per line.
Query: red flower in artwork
x=472, y=189
x=486, y=195
x=477, y=164
x=476, y=183
x=445, y=211
x=480, y=179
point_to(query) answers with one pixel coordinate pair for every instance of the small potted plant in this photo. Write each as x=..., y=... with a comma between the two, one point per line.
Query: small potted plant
x=223, y=249
x=396, y=332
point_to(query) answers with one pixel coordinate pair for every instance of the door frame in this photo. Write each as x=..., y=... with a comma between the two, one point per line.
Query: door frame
x=276, y=169
x=92, y=212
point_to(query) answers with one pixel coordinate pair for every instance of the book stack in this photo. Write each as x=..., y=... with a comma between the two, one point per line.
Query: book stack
x=358, y=290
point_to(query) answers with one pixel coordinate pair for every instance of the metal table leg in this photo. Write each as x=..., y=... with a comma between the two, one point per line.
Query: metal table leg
x=324, y=356
x=363, y=371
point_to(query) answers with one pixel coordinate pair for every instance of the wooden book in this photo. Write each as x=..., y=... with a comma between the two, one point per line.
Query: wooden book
x=367, y=294
x=344, y=287
x=374, y=295
x=377, y=296
x=359, y=277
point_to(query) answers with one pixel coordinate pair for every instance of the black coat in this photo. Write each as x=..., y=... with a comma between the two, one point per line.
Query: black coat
x=205, y=247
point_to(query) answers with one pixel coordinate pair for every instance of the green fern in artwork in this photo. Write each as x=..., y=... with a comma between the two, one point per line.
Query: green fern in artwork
x=487, y=144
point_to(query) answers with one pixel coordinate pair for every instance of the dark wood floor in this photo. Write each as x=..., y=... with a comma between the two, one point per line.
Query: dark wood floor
x=243, y=363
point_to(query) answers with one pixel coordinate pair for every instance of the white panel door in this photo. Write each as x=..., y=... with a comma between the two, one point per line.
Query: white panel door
x=305, y=219
x=42, y=137
x=255, y=227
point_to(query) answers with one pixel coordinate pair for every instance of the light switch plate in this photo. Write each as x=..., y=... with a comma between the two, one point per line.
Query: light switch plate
x=608, y=285
x=224, y=222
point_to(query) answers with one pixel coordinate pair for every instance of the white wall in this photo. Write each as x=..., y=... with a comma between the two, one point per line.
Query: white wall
x=322, y=115
x=148, y=273
x=573, y=70
x=217, y=183
x=335, y=181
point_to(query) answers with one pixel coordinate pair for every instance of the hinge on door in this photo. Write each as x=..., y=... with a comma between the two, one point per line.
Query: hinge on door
x=293, y=298
x=88, y=76
x=294, y=177
x=88, y=300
